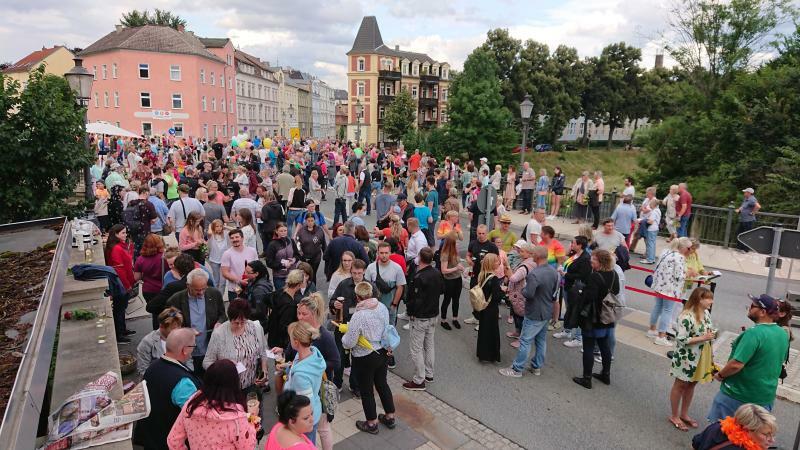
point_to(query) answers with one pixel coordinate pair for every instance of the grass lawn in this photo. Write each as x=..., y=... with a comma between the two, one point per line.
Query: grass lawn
x=616, y=164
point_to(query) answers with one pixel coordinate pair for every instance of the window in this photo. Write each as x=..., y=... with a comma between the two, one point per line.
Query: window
x=94, y=72
x=203, y=76
x=214, y=128
x=230, y=60
x=116, y=99
x=360, y=89
x=213, y=103
x=147, y=128
x=230, y=106
x=144, y=71
x=415, y=70
x=213, y=80
x=203, y=103
x=114, y=70
x=444, y=73
x=413, y=91
x=178, y=127
x=175, y=72
x=222, y=81
x=360, y=64
x=434, y=113
x=177, y=101
x=444, y=95
x=96, y=100
x=425, y=69
x=405, y=68
x=222, y=103
x=436, y=92
x=381, y=112
x=224, y=130
x=105, y=72
x=205, y=130
x=144, y=99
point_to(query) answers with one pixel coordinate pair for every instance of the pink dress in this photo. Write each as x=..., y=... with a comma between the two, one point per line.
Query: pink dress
x=511, y=192
x=272, y=442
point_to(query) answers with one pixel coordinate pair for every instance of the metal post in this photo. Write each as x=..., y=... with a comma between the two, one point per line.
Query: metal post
x=524, y=143
x=729, y=224
x=88, y=193
x=773, y=261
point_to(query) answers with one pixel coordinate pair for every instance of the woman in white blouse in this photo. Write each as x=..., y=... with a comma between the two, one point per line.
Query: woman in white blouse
x=668, y=280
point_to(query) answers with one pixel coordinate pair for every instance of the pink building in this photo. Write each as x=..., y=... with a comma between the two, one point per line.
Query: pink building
x=151, y=79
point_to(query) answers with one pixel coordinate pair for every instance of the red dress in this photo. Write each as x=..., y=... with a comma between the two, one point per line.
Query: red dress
x=400, y=260
x=121, y=259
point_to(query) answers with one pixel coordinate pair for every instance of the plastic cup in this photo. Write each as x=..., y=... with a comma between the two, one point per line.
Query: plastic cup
x=252, y=403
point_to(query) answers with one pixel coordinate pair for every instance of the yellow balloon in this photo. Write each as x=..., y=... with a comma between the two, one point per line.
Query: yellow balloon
x=267, y=143
x=244, y=144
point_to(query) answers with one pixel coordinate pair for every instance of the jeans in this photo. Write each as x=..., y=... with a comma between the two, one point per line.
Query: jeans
x=339, y=210
x=650, y=245
x=421, y=348
x=372, y=371
x=216, y=274
x=683, y=230
x=291, y=217
x=533, y=331
x=312, y=435
x=588, y=354
x=452, y=292
x=744, y=226
x=575, y=332
x=724, y=406
x=365, y=196
x=661, y=314
x=541, y=201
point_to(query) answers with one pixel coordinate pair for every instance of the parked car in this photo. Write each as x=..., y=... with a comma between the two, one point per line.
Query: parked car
x=571, y=148
x=544, y=148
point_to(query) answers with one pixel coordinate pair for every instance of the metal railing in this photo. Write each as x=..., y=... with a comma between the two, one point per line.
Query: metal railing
x=710, y=224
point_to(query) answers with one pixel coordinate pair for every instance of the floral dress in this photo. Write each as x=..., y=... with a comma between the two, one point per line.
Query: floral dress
x=692, y=362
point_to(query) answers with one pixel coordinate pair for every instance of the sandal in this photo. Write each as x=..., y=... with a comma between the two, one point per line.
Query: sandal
x=678, y=425
x=691, y=423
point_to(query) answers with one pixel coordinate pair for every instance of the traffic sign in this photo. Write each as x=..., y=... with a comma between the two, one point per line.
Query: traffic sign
x=761, y=239
x=171, y=131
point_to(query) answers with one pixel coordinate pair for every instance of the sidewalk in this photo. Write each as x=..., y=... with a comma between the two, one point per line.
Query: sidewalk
x=711, y=256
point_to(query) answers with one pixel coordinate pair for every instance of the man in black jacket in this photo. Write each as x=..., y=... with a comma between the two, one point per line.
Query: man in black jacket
x=423, y=309
x=271, y=214
x=183, y=264
x=340, y=244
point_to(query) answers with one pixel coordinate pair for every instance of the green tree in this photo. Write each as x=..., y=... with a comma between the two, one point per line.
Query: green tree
x=479, y=122
x=42, y=131
x=591, y=96
x=562, y=85
x=399, y=116
x=618, y=78
x=505, y=50
x=161, y=17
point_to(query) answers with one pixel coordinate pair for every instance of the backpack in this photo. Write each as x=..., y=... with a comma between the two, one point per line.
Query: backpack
x=476, y=297
x=611, y=309
x=133, y=215
x=517, y=299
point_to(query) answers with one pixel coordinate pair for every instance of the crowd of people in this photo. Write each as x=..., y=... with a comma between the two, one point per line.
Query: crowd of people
x=228, y=243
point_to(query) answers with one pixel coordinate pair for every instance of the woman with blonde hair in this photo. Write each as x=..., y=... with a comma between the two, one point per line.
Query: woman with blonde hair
x=488, y=345
x=304, y=375
x=217, y=244
x=671, y=217
x=692, y=359
x=191, y=240
x=751, y=427
x=412, y=187
x=342, y=272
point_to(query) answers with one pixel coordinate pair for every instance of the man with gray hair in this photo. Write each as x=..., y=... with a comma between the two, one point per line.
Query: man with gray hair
x=339, y=245
x=202, y=309
x=541, y=288
x=169, y=385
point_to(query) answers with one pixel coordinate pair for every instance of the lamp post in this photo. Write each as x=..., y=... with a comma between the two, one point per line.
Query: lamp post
x=283, y=124
x=359, y=110
x=525, y=109
x=80, y=81
x=291, y=119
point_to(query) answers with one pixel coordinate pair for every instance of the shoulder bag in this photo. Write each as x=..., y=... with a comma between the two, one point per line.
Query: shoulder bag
x=648, y=280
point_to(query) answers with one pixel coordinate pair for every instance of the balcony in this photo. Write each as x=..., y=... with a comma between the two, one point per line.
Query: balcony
x=389, y=74
x=428, y=123
x=385, y=99
x=429, y=79
x=428, y=101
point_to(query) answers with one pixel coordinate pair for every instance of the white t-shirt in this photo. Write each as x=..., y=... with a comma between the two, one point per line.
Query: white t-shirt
x=236, y=260
x=178, y=215
x=245, y=203
x=629, y=190
x=534, y=227
x=655, y=216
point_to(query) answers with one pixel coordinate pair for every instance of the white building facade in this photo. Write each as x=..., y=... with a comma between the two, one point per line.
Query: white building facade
x=257, y=92
x=323, y=109
x=599, y=132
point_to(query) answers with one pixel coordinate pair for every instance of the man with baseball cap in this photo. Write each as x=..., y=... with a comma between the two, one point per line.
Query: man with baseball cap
x=754, y=366
x=747, y=214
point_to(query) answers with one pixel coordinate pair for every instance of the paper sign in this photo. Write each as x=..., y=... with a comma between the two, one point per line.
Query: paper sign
x=270, y=355
x=240, y=368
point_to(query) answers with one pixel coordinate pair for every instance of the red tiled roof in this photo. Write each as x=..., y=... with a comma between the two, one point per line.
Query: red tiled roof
x=25, y=64
x=151, y=38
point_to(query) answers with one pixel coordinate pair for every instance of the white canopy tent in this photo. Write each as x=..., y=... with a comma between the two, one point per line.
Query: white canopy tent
x=107, y=128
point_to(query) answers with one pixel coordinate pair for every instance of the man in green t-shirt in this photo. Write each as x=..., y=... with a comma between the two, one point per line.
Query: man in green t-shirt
x=752, y=372
x=504, y=233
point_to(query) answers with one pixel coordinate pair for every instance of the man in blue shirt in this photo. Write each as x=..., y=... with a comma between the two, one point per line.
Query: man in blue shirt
x=624, y=217
x=422, y=213
x=747, y=215
x=157, y=227
x=432, y=200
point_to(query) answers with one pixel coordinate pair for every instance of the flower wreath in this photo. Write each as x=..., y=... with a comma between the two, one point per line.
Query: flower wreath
x=737, y=434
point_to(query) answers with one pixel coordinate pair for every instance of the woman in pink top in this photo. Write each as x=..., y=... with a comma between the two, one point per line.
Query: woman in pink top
x=215, y=417
x=191, y=240
x=295, y=418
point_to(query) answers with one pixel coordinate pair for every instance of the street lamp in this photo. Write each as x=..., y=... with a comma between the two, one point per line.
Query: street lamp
x=359, y=110
x=525, y=109
x=80, y=81
x=291, y=118
x=283, y=124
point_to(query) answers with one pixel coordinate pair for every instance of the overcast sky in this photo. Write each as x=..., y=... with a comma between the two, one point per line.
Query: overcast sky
x=315, y=35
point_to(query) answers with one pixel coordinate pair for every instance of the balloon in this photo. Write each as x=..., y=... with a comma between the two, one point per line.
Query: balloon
x=244, y=144
x=267, y=143
x=234, y=143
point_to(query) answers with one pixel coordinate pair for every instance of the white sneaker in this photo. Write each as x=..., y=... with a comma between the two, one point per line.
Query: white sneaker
x=471, y=320
x=652, y=333
x=573, y=343
x=509, y=372
x=477, y=327
x=403, y=316
x=598, y=359
x=662, y=341
x=407, y=326
x=562, y=335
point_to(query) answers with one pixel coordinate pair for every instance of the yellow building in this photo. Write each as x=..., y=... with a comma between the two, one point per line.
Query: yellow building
x=375, y=73
x=57, y=61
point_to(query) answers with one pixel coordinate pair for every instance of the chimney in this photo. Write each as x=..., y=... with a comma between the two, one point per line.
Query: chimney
x=118, y=27
x=181, y=28
x=397, y=48
x=659, y=61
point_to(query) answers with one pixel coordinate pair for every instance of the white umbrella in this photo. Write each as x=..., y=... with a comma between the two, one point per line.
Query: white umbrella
x=107, y=128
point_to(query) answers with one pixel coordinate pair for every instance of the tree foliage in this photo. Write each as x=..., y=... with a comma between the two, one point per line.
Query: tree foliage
x=161, y=17
x=42, y=134
x=399, y=116
x=479, y=121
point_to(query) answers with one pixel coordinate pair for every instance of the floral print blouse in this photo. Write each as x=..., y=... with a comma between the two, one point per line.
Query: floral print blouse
x=686, y=357
x=670, y=274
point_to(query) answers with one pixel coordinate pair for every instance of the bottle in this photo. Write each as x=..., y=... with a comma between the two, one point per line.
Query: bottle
x=88, y=255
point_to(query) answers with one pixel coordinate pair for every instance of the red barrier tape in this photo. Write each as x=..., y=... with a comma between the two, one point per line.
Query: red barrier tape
x=643, y=269
x=654, y=294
